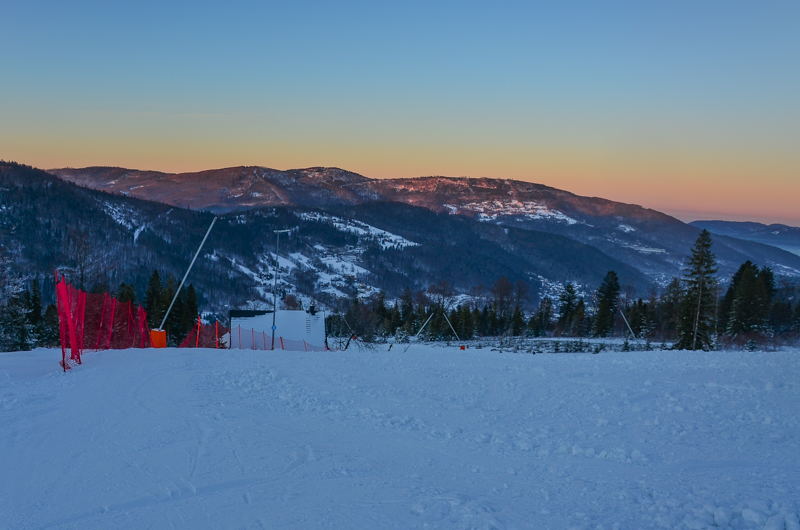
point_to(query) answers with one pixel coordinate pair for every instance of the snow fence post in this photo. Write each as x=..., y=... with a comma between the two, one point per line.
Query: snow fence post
x=197, y=341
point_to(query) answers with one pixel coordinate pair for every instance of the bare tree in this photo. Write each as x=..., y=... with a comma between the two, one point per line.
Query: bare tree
x=441, y=294
x=503, y=294
x=521, y=291
x=83, y=253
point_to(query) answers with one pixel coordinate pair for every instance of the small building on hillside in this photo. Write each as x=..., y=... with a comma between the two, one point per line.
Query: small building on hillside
x=294, y=330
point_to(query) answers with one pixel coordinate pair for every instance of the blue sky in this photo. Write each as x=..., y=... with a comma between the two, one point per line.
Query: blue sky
x=686, y=107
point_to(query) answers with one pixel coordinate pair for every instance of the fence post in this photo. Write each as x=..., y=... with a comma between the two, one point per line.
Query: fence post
x=111, y=327
x=102, y=317
x=197, y=342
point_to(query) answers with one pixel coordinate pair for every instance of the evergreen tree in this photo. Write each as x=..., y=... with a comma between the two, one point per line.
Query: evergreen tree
x=607, y=304
x=796, y=318
x=668, y=311
x=696, y=324
x=517, y=322
x=50, y=336
x=14, y=323
x=126, y=293
x=578, y=325
x=407, y=309
x=174, y=325
x=189, y=310
x=540, y=322
x=35, y=318
x=568, y=301
x=152, y=300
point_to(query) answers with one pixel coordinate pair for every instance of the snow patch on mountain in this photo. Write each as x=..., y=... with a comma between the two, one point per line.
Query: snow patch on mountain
x=646, y=250
x=137, y=232
x=120, y=214
x=385, y=239
x=490, y=210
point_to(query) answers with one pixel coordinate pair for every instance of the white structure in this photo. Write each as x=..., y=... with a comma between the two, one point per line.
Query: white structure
x=294, y=330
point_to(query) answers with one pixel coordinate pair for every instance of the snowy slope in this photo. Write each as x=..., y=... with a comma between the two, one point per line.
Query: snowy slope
x=434, y=438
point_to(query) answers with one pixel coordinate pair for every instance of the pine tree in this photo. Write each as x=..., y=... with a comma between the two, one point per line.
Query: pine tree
x=696, y=324
x=747, y=304
x=568, y=302
x=173, y=326
x=796, y=318
x=35, y=318
x=539, y=323
x=152, y=300
x=517, y=322
x=407, y=309
x=189, y=310
x=578, y=324
x=50, y=336
x=668, y=311
x=607, y=304
x=126, y=293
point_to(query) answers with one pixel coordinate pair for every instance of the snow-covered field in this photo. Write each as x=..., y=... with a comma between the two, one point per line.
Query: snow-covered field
x=433, y=438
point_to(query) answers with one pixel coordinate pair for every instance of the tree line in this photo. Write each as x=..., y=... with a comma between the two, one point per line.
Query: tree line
x=691, y=312
x=26, y=323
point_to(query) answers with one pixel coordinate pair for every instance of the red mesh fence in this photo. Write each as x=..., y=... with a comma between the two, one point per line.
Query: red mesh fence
x=97, y=322
x=71, y=303
x=205, y=336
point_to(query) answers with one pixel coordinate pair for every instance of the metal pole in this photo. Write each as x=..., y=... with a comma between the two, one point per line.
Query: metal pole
x=275, y=284
x=626, y=323
x=418, y=332
x=187, y=274
x=451, y=326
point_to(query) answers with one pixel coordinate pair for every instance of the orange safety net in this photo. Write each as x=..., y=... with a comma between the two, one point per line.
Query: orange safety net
x=205, y=335
x=250, y=339
x=97, y=322
x=299, y=345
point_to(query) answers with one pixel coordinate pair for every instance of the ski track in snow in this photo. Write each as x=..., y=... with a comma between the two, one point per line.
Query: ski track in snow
x=433, y=438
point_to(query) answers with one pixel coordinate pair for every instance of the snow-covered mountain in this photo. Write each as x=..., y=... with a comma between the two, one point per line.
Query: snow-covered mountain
x=652, y=242
x=331, y=253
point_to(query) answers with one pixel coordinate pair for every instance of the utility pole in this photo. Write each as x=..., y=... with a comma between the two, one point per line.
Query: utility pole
x=275, y=283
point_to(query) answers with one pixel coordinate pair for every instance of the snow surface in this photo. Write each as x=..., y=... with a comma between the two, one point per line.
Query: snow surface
x=433, y=438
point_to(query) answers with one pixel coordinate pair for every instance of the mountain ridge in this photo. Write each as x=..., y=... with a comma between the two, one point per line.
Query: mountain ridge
x=651, y=241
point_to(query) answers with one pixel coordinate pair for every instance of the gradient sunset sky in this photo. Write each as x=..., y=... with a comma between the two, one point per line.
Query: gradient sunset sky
x=691, y=108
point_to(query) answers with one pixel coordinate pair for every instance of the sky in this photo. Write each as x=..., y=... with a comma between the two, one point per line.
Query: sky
x=691, y=108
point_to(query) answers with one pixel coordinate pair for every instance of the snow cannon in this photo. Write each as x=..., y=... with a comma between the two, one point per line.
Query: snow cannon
x=158, y=338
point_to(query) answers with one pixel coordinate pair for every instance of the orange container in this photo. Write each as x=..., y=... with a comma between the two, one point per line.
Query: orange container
x=158, y=338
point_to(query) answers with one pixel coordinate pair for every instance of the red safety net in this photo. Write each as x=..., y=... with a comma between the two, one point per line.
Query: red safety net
x=205, y=336
x=70, y=303
x=97, y=322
